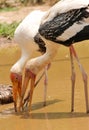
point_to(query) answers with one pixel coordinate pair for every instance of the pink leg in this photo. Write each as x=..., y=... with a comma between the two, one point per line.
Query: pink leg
x=46, y=82
x=84, y=75
x=45, y=85
x=73, y=76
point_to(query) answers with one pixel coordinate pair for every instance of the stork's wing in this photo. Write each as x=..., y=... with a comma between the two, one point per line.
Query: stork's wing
x=66, y=25
x=64, y=6
x=38, y=40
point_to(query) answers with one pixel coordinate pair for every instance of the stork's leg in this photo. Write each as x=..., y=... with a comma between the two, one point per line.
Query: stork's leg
x=45, y=85
x=84, y=75
x=73, y=76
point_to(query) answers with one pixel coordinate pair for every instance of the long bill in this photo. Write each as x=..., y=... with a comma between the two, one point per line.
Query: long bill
x=26, y=100
x=28, y=76
x=17, y=84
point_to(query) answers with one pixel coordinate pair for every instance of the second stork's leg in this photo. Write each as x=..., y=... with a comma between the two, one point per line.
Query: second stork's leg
x=84, y=75
x=73, y=76
x=45, y=85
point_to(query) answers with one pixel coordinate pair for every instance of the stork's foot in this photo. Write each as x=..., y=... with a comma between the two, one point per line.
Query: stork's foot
x=44, y=103
x=87, y=111
x=72, y=110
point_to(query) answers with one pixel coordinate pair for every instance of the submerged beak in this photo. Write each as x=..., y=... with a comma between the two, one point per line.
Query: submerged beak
x=17, y=83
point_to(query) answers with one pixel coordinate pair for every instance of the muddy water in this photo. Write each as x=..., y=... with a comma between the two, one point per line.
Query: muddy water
x=56, y=115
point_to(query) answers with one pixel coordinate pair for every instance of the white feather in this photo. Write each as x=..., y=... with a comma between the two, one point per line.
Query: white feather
x=71, y=31
x=24, y=36
x=62, y=7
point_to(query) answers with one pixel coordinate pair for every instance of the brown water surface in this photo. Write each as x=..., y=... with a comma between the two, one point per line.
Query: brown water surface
x=56, y=115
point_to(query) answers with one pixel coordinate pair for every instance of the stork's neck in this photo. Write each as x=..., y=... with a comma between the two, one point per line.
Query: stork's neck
x=19, y=65
x=37, y=64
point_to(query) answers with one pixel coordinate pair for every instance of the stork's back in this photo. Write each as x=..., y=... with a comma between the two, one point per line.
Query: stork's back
x=28, y=28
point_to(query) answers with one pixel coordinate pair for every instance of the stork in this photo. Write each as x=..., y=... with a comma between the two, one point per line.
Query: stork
x=66, y=23
x=24, y=36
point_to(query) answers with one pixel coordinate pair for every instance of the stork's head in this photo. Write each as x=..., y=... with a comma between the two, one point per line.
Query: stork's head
x=34, y=66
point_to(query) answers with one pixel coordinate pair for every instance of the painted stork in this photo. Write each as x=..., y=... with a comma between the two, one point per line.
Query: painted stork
x=24, y=36
x=66, y=23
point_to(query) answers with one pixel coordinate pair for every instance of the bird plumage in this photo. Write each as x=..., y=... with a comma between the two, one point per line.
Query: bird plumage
x=64, y=6
x=24, y=36
x=28, y=40
x=68, y=27
x=66, y=23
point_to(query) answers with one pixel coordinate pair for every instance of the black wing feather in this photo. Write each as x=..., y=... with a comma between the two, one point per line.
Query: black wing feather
x=38, y=40
x=56, y=27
